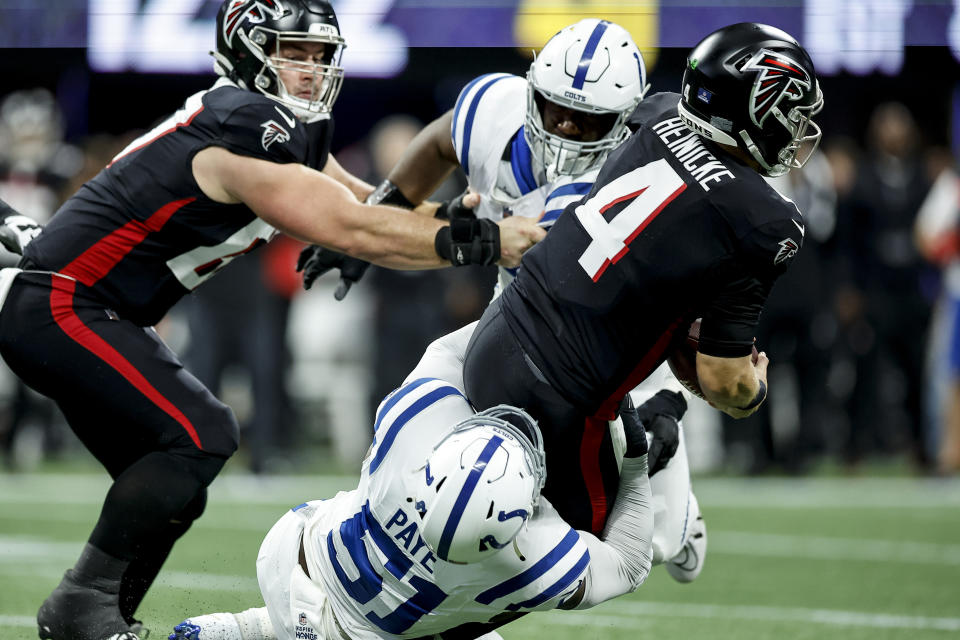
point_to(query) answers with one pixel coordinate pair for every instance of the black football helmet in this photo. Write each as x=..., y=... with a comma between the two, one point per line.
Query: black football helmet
x=753, y=86
x=249, y=38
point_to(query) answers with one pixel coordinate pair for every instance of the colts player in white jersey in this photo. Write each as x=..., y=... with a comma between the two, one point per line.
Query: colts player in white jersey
x=446, y=536
x=530, y=147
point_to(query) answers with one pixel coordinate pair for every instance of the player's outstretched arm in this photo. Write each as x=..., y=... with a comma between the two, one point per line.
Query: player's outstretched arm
x=735, y=386
x=359, y=188
x=313, y=207
x=427, y=161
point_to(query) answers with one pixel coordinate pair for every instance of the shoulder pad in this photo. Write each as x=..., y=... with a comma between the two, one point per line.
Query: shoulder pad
x=489, y=110
x=652, y=108
x=776, y=232
x=254, y=125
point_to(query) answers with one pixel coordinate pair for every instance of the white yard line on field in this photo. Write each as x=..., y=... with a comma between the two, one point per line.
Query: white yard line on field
x=18, y=549
x=749, y=543
x=626, y=612
x=749, y=493
x=630, y=615
x=18, y=621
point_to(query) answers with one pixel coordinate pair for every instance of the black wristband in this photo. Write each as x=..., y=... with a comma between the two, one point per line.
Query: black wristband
x=468, y=241
x=760, y=397
x=388, y=193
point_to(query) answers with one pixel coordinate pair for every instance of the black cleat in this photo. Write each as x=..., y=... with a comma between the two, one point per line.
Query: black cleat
x=76, y=611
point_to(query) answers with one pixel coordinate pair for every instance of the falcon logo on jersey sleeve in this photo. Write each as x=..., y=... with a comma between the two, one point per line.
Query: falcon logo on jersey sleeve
x=256, y=11
x=779, y=77
x=273, y=132
x=788, y=249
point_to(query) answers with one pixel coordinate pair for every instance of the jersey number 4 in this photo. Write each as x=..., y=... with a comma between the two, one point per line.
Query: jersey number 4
x=650, y=188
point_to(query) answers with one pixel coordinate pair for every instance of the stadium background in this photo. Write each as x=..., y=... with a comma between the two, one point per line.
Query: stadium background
x=828, y=516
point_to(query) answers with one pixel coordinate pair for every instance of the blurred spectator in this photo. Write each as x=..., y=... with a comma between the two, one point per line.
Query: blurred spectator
x=797, y=332
x=240, y=319
x=35, y=167
x=938, y=238
x=883, y=311
x=413, y=308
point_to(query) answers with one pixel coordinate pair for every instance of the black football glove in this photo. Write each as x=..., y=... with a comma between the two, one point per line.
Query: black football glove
x=454, y=209
x=314, y=261
x=632, y=429
x=16, y=231
x=661, y=415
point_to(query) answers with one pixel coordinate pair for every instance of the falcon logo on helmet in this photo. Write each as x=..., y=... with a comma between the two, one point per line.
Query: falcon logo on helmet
x=256, y=11
x=779, y=77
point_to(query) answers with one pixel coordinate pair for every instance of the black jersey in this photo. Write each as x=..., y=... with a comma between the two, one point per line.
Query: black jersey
x=673, y=229
x=141, y=233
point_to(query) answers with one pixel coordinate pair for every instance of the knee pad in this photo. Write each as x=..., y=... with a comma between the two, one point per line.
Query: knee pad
x=194, y=508
x=202, y=466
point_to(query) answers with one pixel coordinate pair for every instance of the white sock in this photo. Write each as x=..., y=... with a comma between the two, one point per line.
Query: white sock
x=252, y=624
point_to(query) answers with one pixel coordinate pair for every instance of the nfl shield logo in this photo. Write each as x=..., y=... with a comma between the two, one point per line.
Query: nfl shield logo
x=303, y=618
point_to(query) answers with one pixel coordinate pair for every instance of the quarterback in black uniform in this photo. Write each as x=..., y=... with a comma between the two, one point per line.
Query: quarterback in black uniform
x=679, y=225
x=217, y=179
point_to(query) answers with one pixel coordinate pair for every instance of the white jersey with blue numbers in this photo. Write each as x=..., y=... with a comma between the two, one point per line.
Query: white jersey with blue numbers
x=381, y=578
x=488, y=138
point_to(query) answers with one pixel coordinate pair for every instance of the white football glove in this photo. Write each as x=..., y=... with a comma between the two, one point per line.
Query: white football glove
x=17, y=231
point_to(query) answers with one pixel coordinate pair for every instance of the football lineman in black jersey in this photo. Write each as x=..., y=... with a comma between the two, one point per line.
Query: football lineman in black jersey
x=235, y=165
x=679, y=225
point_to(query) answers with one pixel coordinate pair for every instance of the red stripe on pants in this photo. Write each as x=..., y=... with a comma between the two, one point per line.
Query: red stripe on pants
x=61, y=306
x=593, y=430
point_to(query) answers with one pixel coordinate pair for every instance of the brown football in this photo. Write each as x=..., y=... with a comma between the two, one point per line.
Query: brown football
x=683, y=359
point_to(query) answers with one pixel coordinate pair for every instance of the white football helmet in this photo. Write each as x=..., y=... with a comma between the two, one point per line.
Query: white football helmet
x=592, y=66
x=481, y=484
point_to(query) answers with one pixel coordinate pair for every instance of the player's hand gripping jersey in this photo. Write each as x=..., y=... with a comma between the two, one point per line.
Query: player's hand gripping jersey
x=488, y=137
x=141, y=234
x=673, y=229
x=364, y=546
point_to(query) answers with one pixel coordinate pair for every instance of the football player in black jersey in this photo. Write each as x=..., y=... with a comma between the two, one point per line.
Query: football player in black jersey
x=239, y=162
x=679, y=225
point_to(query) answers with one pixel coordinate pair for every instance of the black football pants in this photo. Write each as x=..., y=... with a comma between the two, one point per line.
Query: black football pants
x=582, y=475
x=159, y=432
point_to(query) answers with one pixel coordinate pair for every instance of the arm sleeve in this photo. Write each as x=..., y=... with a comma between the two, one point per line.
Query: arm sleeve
x=620, y=562
x=743, y=281
x=729, y=324
x=485, y=117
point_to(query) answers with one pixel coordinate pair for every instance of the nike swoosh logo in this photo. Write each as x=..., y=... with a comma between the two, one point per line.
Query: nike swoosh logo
x=799, y=226
x=290, y=121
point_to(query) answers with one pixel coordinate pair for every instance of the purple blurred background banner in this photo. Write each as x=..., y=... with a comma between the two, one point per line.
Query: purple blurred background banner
x=174, y=36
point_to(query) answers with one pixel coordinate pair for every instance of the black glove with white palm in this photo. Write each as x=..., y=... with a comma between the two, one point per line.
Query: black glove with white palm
x=314, y=261
x=16, y=230
x=661, y=416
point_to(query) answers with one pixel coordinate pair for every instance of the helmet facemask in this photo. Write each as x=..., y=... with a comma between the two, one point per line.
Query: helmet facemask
x=325, y=77
x=558, y=155
x=801, y=145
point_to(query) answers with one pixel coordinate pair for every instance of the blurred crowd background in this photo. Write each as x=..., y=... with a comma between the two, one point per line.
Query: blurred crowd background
x=862, y=331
